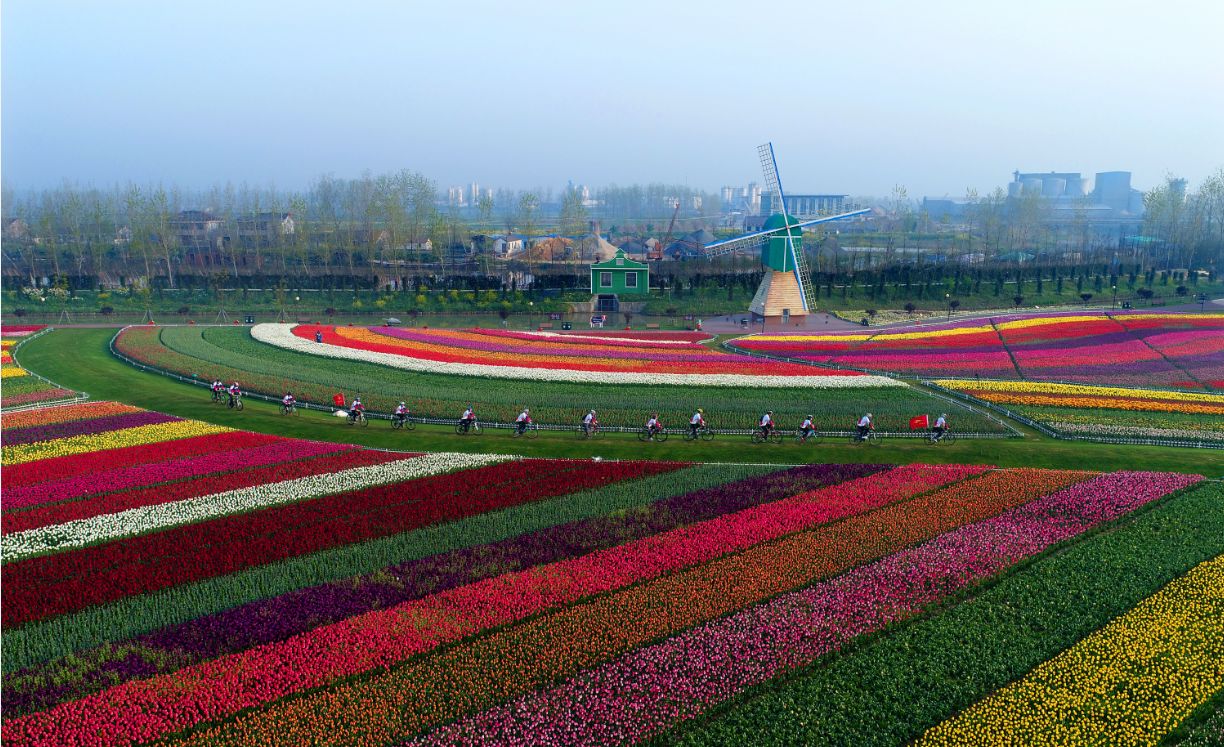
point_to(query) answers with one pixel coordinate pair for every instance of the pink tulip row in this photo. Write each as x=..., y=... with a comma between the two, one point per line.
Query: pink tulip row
x=123, y=478
x=657, y=686
x=146, y=709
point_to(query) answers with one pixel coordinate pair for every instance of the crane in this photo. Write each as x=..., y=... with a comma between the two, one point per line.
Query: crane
x=657, y=252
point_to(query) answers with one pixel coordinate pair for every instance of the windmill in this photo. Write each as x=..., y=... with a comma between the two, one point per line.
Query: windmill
x=786, y=290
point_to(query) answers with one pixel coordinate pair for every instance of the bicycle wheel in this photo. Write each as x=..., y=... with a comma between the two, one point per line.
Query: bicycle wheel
x=409, y=424
x=396, y=424
x=643, y=435
x=238, y=405
x=873, y=439
x=533, y=432
x=661, y=436
x=757, y=437
x=707, y=435
x=775, y=437
x=364, y=421
x=459, y=430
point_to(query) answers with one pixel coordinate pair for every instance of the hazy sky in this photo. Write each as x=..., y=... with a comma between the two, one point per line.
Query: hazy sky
x=856, y=96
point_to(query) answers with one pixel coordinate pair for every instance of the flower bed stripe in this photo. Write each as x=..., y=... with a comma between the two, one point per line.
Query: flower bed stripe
x=279, y=618
x=1129, y=683
x=42, y=395
x=140, y=435
x=262, y=465
x=92, y=426
x=52, y=415
x=57, y=468
x=40, y=587
x=381, y=639
x=421, y=694
x=124, y=478
x=891, y=690
x=132, y=616
x=652, y=688
x=281, y=336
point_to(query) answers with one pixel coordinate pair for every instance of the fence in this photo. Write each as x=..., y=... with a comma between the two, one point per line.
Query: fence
x=78, y=397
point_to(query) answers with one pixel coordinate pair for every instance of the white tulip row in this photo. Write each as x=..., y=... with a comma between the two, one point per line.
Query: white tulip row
x=135, y=521
x=1128, y=431
x=281, y=336
x=630, y=341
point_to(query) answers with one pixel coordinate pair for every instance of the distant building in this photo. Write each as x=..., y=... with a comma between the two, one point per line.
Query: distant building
x=263, y=230
x=806, y=206
x=197, y=229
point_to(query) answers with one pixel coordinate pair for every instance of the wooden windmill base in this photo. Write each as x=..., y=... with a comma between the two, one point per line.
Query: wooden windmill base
x=779, y=302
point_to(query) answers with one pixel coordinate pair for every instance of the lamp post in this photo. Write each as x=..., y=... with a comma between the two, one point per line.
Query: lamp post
x=1115, y=295
x=948, y=302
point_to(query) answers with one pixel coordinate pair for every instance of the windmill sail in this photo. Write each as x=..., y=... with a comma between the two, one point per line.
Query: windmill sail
x=769, y=165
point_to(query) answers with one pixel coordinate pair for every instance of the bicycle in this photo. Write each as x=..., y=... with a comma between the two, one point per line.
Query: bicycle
x=871, y=439
x=645, y=435
x=759, y=436
x=531, y=431
x=811, y=438
x=703, y=433
x=398, y=422
x=589, y=432
x=288, y=409
x=947, y=437
x=358, y=418
x=235, y=402
x=216, y=396
x=462, y=430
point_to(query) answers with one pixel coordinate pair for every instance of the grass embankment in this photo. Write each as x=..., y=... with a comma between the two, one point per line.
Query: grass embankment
x=80, y=359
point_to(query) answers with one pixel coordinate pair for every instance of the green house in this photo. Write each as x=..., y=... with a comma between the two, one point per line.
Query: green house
x=620, y=276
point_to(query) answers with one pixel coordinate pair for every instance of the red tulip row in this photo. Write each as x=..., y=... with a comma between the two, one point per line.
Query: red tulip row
x=74, y=465
x=42, y=587
x=292, y=464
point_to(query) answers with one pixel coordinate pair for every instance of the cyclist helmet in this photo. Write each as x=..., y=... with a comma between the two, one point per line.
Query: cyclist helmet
x=769, y=412
x=401, y=404
x=868, y=414
x=700, y=410
x=811, y=417
x=943, y=414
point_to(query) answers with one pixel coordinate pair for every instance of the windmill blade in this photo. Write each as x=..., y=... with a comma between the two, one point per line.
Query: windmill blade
x=756, y=238
x=773, y=185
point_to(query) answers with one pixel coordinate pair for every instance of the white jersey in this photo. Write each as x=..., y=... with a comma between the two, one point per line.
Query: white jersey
x=864, y=422
x=696, y=419
x=652, y=423
x=807, y=423
x=766, y=420
x=523, y=417
x=288, y=400
x=941, y=423
x=590, y=418
x=468, y=414
x=401, y=410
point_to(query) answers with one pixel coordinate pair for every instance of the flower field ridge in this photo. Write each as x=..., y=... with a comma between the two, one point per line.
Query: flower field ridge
x=360, y=345
x=1129, y=683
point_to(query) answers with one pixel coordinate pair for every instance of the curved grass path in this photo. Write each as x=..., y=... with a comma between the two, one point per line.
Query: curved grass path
x=79, y=358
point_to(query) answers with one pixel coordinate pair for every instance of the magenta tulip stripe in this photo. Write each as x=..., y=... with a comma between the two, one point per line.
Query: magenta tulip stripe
x=657, y=686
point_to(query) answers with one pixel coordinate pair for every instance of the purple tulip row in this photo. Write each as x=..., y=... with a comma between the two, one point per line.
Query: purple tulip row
x=84, y=427
x=284, y=616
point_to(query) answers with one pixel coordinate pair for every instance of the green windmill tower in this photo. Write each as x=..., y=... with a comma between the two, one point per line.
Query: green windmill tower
x=786, y=290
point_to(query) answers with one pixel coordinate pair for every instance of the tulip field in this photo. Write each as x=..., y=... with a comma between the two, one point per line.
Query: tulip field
x=272, y=359
x=170, y=581
x=17, y=387
x=1074, y=409
x=1129, y=349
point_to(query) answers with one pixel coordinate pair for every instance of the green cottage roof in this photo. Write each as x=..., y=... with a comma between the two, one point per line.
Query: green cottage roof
x=620, y=261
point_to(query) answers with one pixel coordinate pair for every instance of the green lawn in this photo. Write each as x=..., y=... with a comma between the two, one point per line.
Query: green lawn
x=79, y=359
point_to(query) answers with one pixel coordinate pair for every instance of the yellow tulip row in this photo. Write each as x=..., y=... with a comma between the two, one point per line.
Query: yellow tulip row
x=140, y=435
x=10, y=372
x=1129, y=683
x=1034, y=387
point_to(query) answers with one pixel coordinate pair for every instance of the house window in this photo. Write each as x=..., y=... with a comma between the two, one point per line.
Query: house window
x=631, y=280
x=605, y=280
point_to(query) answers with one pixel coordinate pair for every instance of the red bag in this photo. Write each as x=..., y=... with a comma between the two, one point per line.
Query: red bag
x=918, y=422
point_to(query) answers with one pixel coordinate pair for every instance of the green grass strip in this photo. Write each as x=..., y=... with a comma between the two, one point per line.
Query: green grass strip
x=890, y=689
x=136, y=615
x=1203, y=729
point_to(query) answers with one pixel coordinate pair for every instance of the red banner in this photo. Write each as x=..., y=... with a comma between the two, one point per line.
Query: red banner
x=918, y=422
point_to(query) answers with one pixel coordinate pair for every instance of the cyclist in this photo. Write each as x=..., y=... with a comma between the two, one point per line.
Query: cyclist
x=288, y=402
x=217, y=389
x=766, y=425
x=940, y=428
x=696, y=422
x=653, y=425
x=589, y=423
x=864, y=427
x=522, y=421
x=234, y=393
x=806, y=429
x=356, y=410
x=468, y=419
x=401, y=412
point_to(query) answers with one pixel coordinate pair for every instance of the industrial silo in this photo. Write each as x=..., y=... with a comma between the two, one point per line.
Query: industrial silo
x=1013, y=189
x=1031, y=185
x=1076, y=186
x=1136, y=203
x=1052, y=186
x=1113, y=189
